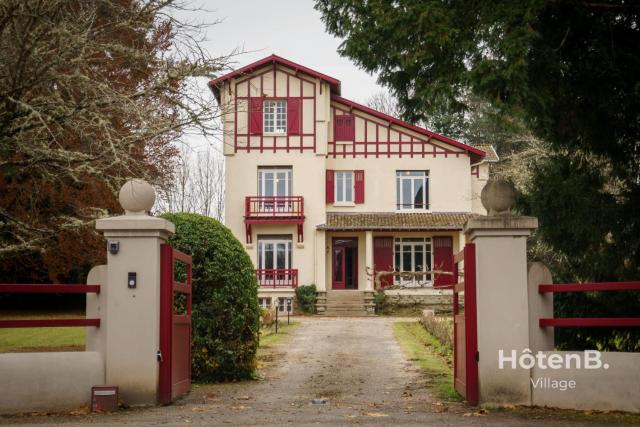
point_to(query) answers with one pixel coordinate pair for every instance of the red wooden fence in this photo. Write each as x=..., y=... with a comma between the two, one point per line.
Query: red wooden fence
x=590, y=321
x=48, y=289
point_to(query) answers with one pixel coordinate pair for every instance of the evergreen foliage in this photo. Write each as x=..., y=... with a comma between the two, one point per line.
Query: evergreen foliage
x=306, y=297
x=569, y=72
x=226, y=315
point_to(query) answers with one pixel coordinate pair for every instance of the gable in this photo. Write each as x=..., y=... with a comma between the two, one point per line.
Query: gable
x=378, y=134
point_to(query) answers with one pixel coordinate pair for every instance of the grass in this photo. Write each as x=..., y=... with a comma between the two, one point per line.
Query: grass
x=267, y=352
x=19, y=340
x=434, y=359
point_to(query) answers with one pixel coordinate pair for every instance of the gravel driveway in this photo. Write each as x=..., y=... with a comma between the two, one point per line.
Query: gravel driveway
x=355, y=364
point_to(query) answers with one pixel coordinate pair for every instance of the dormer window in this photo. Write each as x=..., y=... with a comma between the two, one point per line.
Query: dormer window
x=274, y=116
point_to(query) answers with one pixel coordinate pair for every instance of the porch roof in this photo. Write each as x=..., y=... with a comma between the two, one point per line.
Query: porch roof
x=391, y=221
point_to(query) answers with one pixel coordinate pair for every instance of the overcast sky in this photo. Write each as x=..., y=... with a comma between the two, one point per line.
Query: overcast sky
x=289, y=28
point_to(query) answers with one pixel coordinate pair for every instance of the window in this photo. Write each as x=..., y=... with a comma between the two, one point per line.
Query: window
x=344, y=187
x=412, y=254
x=412, y=190
x=282, y=304
x=274, y=181
x=264, y=302
x=274, y=253
x=274, y=116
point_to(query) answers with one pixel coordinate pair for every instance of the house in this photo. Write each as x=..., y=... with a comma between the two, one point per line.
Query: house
x=322, y=190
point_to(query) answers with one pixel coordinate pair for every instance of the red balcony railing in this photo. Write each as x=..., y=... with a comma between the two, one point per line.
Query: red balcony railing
x=274, y=210
x=264, y=207
x=278, y=278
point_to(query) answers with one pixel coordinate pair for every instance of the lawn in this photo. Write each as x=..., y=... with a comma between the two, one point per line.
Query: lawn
x=16, y=340
x=434, y=359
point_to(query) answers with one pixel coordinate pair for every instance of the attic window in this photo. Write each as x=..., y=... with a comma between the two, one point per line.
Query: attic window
x=344, y=127
x=275, y=116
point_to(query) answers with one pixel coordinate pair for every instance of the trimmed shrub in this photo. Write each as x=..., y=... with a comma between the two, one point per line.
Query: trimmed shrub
x=306, y=297
x=226, y=314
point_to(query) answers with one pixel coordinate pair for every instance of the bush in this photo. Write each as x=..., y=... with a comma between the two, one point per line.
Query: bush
x=226, y=315
x=441, y=328
x=306, y=297
x=379, y=299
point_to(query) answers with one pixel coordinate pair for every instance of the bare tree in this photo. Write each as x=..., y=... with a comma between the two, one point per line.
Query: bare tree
x=198, y=184
x=91, y=93
x=385, y=103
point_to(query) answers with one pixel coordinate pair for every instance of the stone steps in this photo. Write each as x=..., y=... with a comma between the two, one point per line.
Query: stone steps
x=344, y=303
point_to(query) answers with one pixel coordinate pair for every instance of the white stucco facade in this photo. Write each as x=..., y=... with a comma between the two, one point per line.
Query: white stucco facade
x=313, y=156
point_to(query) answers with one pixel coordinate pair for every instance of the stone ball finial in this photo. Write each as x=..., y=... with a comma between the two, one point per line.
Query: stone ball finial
x=137, y=197
x=498, y=196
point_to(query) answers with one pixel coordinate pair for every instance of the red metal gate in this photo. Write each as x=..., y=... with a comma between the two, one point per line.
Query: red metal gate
x=175, y=327
x=465, y=331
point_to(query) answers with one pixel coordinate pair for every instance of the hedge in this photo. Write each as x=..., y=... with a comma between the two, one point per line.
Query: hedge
x=225, y=313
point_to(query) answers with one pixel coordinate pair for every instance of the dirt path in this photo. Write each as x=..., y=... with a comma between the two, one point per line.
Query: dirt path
x=355, y=364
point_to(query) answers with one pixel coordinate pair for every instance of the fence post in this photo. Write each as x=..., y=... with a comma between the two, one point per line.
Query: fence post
x=501, y=296
x=540, y=307
x=131, y=312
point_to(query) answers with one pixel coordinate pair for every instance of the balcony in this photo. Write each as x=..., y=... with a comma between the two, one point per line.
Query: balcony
x=274, y=210
x=277, y=278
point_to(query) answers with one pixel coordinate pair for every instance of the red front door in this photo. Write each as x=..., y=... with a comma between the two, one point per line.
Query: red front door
x=345, y=263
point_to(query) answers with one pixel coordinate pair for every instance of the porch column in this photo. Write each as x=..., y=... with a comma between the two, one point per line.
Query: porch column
x=368, y=250
x=320, y=260
x=502, y=297
x=130, y=308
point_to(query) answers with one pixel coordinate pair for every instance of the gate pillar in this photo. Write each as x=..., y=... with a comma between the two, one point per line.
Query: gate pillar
x=501, y=297
x=130, y=313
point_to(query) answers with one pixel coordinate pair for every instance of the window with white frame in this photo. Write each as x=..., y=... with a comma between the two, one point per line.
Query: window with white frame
x=274, y=116
x=282, y=304
x=274, y=181
x=264, y=302
x=412, y=190
x=413, y=254
x=344, y=187
x=274, y=261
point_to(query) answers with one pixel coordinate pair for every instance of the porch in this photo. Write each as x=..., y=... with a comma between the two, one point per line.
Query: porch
x=358, y=246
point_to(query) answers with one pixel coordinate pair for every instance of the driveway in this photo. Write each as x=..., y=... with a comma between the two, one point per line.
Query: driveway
x=354, y=365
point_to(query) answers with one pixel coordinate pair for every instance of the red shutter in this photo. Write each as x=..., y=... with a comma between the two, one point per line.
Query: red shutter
x=293, y=116
x=383, y=258
x=350, y=128
x=443, y=260
x=359, y=186
x=330, y=186
x=344, y=128
x=255, y=116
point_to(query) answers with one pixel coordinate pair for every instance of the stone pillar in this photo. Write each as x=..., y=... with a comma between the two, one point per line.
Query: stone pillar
x=130, y=313
x=368, y=251
x=502, y=295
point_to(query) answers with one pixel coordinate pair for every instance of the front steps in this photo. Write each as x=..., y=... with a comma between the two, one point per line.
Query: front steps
x=345, y=303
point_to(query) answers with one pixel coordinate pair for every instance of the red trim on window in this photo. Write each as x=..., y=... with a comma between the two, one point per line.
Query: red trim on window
x=344, y=128
x=358, y=178
x=422, y=131
x=293, y=116
x=255, y=116
x=330, y=186
x=243, y=140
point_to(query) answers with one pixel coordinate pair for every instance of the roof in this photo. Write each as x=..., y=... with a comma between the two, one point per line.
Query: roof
x=491, y=155
x=272, y=59
x=478, y=153
x=396, y=221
